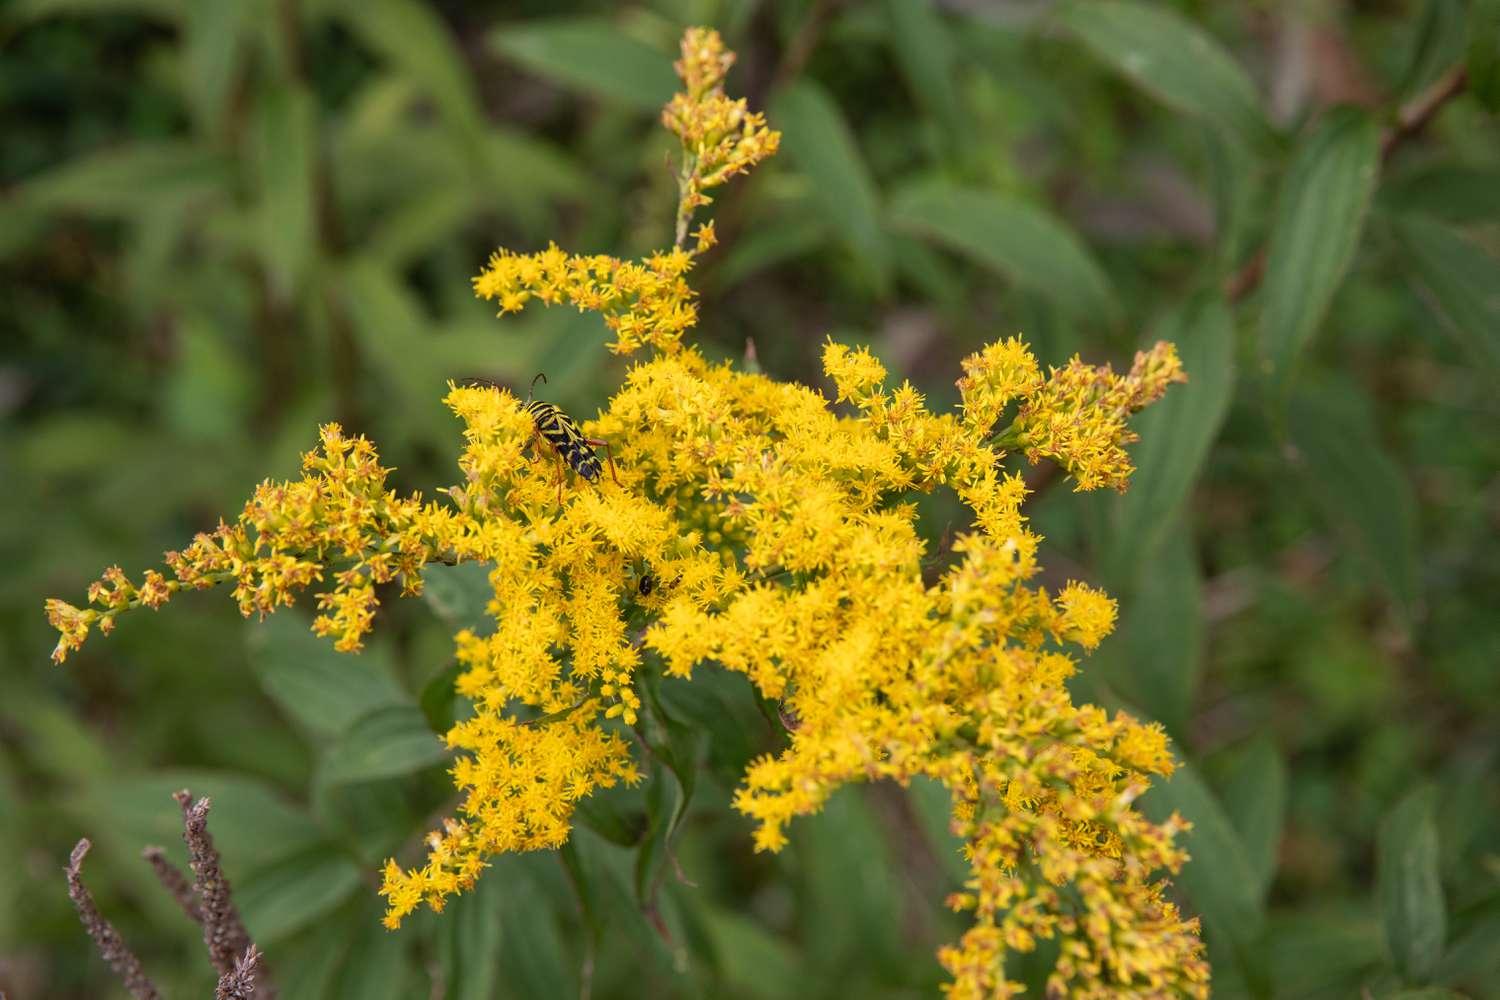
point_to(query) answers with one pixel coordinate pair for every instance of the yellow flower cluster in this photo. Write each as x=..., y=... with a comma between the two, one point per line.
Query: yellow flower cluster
x=780, y=536
x=720, y=137
x=1077, y=418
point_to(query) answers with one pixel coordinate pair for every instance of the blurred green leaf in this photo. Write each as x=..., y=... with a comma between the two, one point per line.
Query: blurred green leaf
x=284, y=898
x=722, y=703
x=167, y=10
x=1453, y=192
x=1319, y=215
x=1219, y=880
x=1020, y=241
x=795, y=236
x=211, y=57
x=679, y=746
x=437, y=697
x=591, y=56
x=1428, y=993
x=469, y=935
x=413, y=37
x=1364, y=494
x=1472, y=960
x=208, y=396
x=852, y=893
x=1255, y=794
x=602, y=813
x=1411, y=891
x=1439, y=39
x=377, y=967
x=252, y=824
x=1162, y=637
x=825, y=151
x=372, y=819
x=1459, y=280
x=132, y=179
x=756, y=963
x=323, y=690
x=1315, y=953
x=1484, y=53
x=460, y=595
x=383, y=744
x=1170, y=58
x=286, y=147
x=1176, y=433
x=307, y=964
x=924, y=52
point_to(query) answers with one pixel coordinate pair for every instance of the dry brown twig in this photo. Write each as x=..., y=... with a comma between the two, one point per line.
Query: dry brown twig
x=111, y=946
x=207, y=901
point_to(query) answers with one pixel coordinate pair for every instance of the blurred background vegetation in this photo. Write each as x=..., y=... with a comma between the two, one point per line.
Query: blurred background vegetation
x=224, y=221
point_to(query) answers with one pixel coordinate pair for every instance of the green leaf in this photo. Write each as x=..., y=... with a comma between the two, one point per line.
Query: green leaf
x=1453, y=192
x=1330, y=951
x=1459, y=280
x=1319, y=215
x=1363, y=492
x=469, y=936
x=383, y=744
x=285, y=151
x=1170, y=58
x=604, y=812
x=1472, y=957
x=323, y=690
x=1020, y=241
x=136, y=179
x=378, y=967
x=1176, y=433
x=824, y=149
x=1484, y=53
x=1162, y=638
x=591, y=56
x=437, y=698
x=252, y=824
x=1219, y=880
x=284, y=898
x=679, y=746
x=756, y=963
x=30, y=10
x=1255, y=796
x=311, y=960
x=851, y=887
x=411, y=36
x=211, y=55
x=1439, y=40
x=1411, y=892
x=925, y=54
x=460, y=595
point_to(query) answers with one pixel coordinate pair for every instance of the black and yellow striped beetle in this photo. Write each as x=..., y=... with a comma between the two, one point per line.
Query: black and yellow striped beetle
x=567, y=440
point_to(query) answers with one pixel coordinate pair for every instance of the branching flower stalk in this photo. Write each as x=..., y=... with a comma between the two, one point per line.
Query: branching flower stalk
x=782, y=544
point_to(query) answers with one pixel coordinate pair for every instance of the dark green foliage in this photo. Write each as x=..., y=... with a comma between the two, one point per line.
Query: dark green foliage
x=222, y=223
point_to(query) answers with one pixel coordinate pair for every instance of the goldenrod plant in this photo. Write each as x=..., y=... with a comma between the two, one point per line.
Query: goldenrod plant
x=779, y=528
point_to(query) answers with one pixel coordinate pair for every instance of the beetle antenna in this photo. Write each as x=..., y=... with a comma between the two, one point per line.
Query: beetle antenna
x=532, y=387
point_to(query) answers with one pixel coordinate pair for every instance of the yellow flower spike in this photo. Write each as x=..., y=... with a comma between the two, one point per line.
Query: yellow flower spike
x=778, y=530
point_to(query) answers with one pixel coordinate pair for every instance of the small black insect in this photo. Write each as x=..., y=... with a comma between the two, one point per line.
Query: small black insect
x=648, y=582
x=567, y=440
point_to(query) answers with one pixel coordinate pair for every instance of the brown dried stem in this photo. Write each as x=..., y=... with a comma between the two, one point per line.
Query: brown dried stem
x=223, y=934
x=239, y=983
x=176, y=883
x=111, y=946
